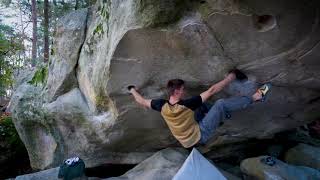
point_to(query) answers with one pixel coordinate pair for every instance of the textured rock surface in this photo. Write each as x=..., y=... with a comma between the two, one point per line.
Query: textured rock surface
x=255, y=169
x=84, y=109
x=163, y=165
x=69, y=37
x=50, y=174
x=304, y=155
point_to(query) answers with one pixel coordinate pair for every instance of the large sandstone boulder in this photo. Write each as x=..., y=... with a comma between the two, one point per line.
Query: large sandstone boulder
x=84, y=109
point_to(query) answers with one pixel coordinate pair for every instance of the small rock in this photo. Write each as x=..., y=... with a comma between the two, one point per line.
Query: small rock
x=254, y=168
x=228, y=175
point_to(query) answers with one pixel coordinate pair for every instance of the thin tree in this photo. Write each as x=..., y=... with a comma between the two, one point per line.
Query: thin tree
x=34, y=32
x=76, y=5
x=46, y=30
x=22, y=29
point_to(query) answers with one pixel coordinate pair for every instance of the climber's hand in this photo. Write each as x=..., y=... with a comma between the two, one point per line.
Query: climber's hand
x=131, y=87
x=138, y=97
x=241, y=76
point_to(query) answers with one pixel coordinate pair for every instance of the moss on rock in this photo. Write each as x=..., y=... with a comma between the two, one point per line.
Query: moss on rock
x=98, y=30
x=161, y=13
x=104, y=9
x=102, y=102
x=39, y=77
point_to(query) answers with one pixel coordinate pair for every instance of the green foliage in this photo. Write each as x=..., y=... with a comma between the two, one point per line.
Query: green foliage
x=40, y=76
x=104, y=11
x=9, y=46
x=7, y=41
x=6, y=77
x=8, y=132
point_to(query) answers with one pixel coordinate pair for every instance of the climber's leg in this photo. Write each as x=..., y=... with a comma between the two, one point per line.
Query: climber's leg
x=223, y=108
x=220, y=110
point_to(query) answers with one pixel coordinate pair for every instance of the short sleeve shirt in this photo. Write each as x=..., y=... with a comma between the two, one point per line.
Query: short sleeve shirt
x=180, y=118
x=192, y=103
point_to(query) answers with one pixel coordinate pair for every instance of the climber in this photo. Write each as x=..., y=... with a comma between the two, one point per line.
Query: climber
x=181, y=115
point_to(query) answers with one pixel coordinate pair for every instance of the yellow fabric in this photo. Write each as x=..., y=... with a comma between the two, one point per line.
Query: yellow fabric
x=182, y=124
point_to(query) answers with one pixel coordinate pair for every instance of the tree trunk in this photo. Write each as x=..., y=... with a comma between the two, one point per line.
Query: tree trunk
x=22, y=30
x=77, y=4
x=46, y=31
x=34, y=32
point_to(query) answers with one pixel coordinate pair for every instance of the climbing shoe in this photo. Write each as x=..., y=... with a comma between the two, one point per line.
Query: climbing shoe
x=239, y=74
x=264, y=89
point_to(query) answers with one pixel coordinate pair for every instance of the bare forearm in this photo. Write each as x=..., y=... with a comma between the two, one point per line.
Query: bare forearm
x=222, y=84
x=139, y=99
x=137, y=96
x=217, y=87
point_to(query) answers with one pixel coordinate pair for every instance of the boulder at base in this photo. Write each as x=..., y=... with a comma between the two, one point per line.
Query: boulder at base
x=49, y=174
x=161, y=166
x=254, y=168
x=304, y=155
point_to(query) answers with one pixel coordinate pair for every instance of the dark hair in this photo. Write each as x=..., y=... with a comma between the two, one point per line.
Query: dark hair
x=174, y=84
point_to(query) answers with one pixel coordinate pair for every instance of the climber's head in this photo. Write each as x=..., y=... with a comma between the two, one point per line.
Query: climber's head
x=175, y=88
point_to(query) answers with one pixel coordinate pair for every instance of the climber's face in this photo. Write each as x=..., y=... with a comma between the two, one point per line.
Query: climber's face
x=179, y=93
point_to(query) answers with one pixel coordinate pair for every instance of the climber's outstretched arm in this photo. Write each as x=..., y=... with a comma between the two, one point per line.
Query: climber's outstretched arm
x=139, y=99
x=217, y=87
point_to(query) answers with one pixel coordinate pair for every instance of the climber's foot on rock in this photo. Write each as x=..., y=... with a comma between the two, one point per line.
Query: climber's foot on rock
x=262, y=92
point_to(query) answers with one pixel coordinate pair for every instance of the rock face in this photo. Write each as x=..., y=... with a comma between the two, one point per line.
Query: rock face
x=83, y=108
x=260, y=171
x=304, y=155
x=69, y=38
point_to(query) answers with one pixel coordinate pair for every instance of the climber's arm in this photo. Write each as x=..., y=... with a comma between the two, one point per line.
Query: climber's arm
x=217, y=87
x=139, y=99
